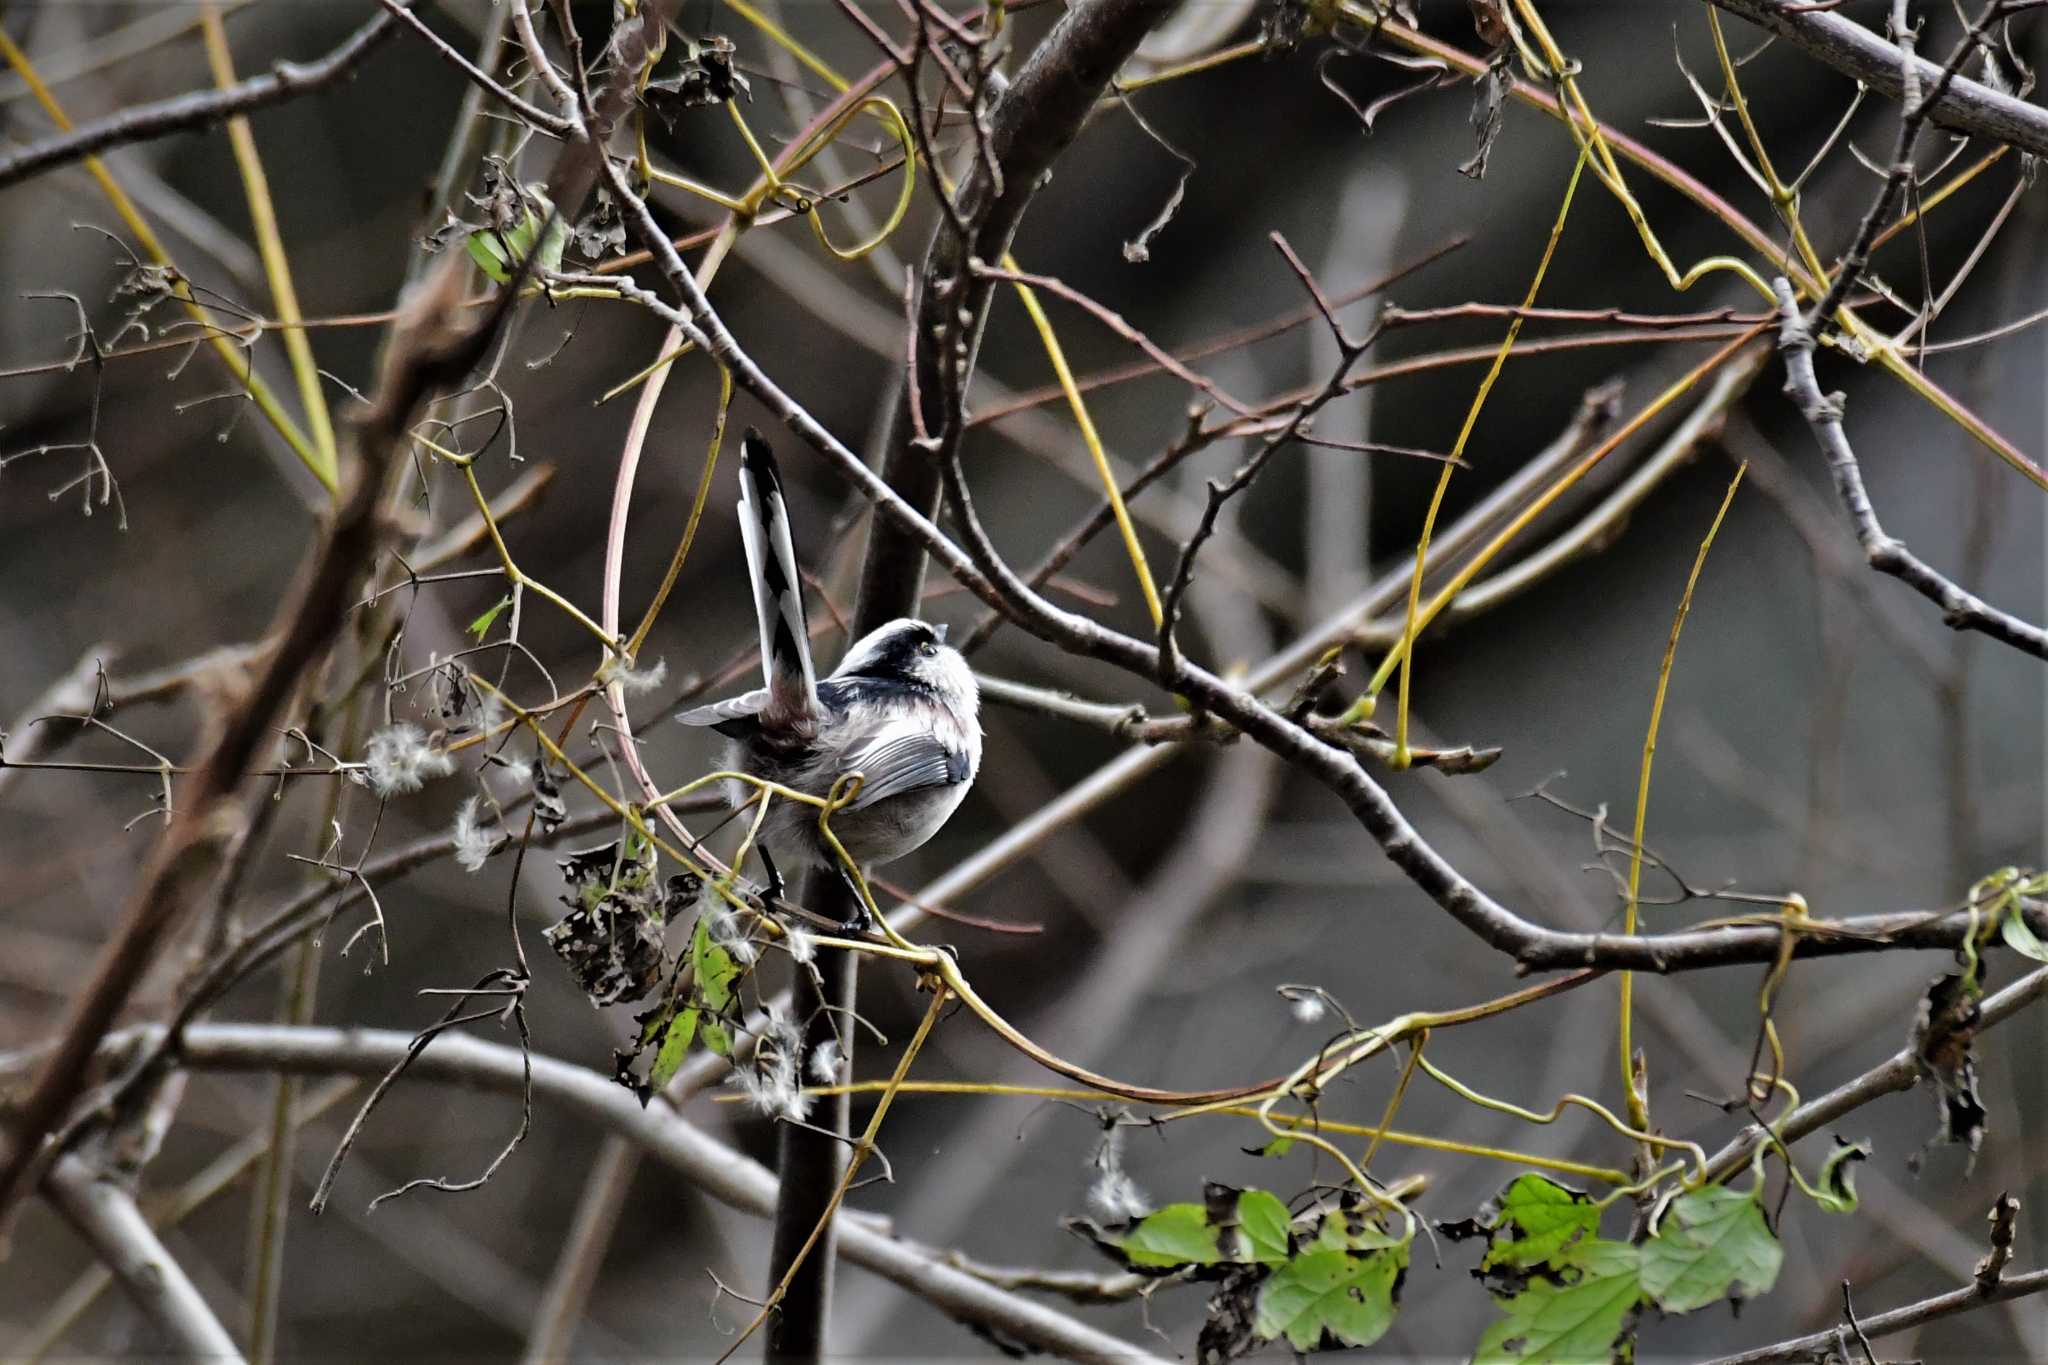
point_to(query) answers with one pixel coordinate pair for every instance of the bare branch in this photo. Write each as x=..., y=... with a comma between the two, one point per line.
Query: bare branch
x=202, y=108
x=562, y=1304
x=430, y=347
x=983, y=572
x=73, y=693
x=1818, y=1345
x=1901, y=1071
x=1959, y=609
x=478, y=77
x=720, y=1171
x=1036, y=117
x=1855, y=51
x=434, y=343
x=1913, y=113
x=105, y=1215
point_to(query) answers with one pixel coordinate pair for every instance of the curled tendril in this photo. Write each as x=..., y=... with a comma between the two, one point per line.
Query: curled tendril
x=891, y=118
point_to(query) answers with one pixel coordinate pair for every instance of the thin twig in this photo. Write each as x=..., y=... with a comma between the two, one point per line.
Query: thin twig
x=491, y=983
x=1960, y=610
x=1116, y=322
x=482, y=80
x=562, y=1303
x=1914, y=110
x=201, y=108
x=1349, y=351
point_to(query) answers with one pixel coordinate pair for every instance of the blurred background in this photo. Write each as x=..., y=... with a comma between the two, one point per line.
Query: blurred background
x=1825, y=733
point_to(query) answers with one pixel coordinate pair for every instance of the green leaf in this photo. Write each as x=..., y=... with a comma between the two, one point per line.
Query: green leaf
x=1535, y=1219
x=1581, y=1315
x=487, y=248
x=1177, y=1235
x=552, y=245
x=675, y=1045
x=1838, y=1176
x=661, y=1023
x=2021, y=938
x=1326, y=1299
x=1348, y=1228
x=1712, y=1243
x=1264, y=1228
x=1567, y=1293
x=717, y=1036
x=1231, y=1227
x=482, y=625
x=499, y=253
x=1279, y=1146
x=716, y=972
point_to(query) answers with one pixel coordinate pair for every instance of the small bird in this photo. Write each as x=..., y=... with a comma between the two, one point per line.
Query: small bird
x=902, y=709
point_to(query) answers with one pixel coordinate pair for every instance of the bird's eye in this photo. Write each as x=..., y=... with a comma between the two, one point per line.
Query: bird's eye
x=928, y=649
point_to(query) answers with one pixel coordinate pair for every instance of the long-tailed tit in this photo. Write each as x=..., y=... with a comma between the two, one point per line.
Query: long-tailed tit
x=901, y=709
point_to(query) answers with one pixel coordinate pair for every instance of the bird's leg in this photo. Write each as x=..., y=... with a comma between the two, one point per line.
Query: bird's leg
x=776, y=886
x=859, y=921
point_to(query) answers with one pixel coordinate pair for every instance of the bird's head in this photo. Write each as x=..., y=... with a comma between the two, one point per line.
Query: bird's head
x=915, y=654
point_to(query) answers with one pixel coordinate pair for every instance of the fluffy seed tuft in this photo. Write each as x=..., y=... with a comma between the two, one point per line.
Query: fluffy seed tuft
x=397, y=760
x=473, y=843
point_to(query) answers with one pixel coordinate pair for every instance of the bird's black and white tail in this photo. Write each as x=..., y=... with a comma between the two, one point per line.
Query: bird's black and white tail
x=778, y=591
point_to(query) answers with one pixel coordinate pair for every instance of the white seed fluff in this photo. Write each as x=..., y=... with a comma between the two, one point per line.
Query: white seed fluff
x=398, y=760
x=473, y=843
x=1115, y=1195
x=635, y=680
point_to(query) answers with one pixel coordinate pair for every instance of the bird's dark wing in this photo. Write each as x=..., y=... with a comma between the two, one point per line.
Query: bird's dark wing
x=735, y=717
x=902, y=761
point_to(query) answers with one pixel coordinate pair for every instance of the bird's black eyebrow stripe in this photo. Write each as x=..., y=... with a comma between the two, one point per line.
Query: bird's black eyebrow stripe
x=897, y=648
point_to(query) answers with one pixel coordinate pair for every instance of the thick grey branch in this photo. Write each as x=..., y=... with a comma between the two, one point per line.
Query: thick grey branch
x=1855, y=51
x=106, y=1217
x=724, y=1174
x=1033, y=121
